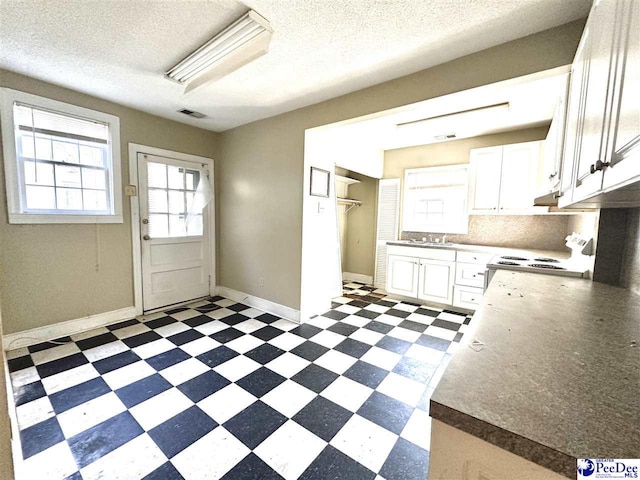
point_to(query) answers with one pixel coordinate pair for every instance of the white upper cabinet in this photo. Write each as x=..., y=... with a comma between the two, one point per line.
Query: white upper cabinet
x=484, y=185
x=520, y=164
x=504, y=179
x=549, y=174
x=624, y=131
x=601, y=153
x=599, y=34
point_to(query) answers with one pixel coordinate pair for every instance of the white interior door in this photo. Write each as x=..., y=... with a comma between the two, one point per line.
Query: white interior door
x=175, y=251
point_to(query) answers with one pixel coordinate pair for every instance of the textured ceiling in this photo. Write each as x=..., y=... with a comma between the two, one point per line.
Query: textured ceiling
x=119, y=50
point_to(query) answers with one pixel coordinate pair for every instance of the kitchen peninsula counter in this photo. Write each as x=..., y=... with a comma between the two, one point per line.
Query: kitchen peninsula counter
x=556, y=376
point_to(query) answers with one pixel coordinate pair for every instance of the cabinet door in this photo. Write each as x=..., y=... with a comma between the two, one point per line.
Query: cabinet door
x=518, y=178
x=573, y=123
x=484, y=191
x=625, y=129
x=597, y=99
x=436, y=281
x=402, y=275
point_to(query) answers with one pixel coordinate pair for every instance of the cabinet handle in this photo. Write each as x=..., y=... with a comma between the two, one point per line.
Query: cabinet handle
x=598, y=166
x=481, y=274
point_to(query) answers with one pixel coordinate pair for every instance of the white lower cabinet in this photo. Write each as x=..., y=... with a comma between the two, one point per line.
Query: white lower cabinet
x=433, y=275
x=402, y=275
x=435, y=281
x=424, y=273
x=467, y=297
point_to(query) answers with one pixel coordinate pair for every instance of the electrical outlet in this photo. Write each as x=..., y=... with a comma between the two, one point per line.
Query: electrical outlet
x=130, y=190
x=261, y=281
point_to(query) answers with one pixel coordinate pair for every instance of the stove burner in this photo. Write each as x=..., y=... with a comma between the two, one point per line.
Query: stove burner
x=501, y=262
x=548, y=260
x=546, y=265
x=521, y=259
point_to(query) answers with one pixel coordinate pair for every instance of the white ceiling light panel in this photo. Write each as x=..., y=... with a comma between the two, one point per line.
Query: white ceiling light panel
x=240, y=43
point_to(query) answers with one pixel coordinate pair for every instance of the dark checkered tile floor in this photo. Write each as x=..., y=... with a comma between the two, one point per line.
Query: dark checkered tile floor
x=221, y=390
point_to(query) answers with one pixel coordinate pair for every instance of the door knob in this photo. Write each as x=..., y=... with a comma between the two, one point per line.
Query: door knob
x=146, y=237
x=145, y=221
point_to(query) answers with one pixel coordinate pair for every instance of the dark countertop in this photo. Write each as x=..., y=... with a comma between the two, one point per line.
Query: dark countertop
x=557, y=378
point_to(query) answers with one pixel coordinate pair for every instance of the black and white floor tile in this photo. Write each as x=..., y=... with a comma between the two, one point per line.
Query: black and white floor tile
x=222, y=390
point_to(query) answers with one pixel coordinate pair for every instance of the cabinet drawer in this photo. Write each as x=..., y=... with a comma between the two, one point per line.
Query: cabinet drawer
x=470, y=274
x=422, y=252
x=467, y=297
x=474, y=257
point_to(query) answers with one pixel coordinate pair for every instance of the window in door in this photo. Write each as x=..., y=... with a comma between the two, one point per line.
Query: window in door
x=172, y=192
x=435, y=199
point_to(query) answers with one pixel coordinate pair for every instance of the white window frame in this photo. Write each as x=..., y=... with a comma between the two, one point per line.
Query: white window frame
x=408, y=222
x=16, y=209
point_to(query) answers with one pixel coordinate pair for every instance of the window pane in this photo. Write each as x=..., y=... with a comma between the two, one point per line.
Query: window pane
x=67, y=176
x=69, y=198
x=38, y=173
x=43, y=148
x=194, y=225
x=176, y=202
x=92, y=156
x=190, y=197
x=157, y=175
x=95, y=199
x=158, y=201
x=176, y=177
x=158, y=225
x=192, y=177
x=65, y=152
x=26, y=146
x=177, y=226
x=40, y=198
x=94, y=178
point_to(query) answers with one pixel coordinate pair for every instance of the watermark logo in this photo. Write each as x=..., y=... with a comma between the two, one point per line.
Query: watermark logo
x=608, y=468
x=586, y=467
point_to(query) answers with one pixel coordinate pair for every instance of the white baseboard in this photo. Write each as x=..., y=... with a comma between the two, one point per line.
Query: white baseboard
x=357, y=277
x=63, y=329
x=268, y=306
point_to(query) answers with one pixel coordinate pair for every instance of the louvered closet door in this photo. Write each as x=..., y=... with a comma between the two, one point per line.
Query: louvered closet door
x=388, y=213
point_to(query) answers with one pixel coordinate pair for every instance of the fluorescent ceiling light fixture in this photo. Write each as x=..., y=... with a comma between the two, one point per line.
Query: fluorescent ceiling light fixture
x=240, y=43
x=472, y=113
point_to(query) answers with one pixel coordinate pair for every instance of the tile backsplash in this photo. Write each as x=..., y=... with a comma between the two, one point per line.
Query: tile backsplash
x=536, y=232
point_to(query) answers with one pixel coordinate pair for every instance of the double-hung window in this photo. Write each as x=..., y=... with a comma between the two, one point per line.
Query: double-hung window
x=62, y=162
x=435, y=199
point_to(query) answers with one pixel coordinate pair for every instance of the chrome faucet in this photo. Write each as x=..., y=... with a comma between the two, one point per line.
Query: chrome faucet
x=444, y=238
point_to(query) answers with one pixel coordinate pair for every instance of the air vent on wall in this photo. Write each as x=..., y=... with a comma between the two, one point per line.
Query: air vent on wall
x=449, y=136
x=191, y=113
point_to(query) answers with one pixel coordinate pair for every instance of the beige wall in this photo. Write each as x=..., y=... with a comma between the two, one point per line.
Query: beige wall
x=453, y=152
x=514, y=231
x=361, y=227
x=48, y=272
x=259, y=172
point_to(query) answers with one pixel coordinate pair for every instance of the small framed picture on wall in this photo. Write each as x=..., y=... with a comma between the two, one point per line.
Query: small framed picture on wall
x=319, y=182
